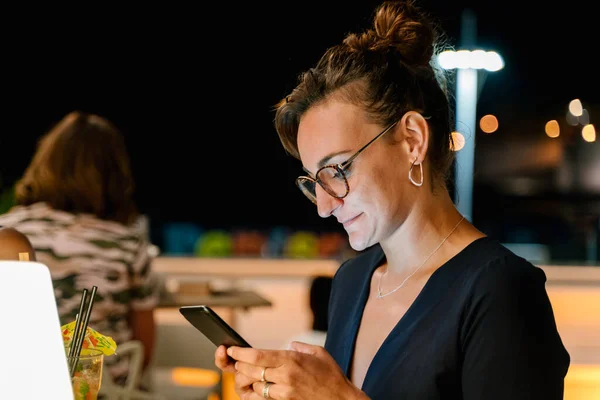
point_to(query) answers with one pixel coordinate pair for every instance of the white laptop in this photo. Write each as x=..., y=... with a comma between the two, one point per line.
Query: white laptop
x=32, y=357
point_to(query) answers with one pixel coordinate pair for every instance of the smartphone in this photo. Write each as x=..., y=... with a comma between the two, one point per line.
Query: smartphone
x=212, y=326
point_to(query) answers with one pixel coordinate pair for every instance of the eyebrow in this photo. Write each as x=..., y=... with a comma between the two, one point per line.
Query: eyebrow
x=326, y=160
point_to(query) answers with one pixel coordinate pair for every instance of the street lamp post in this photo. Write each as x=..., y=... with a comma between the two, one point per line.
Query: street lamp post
x=468, y=64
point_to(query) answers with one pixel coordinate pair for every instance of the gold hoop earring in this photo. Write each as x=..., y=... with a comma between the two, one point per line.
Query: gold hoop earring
x=410, y=178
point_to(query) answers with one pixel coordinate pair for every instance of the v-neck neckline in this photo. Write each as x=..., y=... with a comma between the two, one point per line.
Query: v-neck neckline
x=417, y=307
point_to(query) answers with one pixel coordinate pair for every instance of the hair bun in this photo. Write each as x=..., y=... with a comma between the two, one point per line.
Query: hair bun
x=404, y=27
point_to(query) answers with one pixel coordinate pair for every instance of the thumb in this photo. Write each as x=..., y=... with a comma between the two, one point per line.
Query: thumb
x=304, y=347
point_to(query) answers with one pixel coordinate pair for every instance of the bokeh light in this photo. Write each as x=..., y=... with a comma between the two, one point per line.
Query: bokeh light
x=589, y=133
x=458, y=140
x=552, y=129
x=575, y=107
x=584, y=118
x=488, y=123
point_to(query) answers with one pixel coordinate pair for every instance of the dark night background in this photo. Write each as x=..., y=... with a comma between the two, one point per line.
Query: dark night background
x=192, y=88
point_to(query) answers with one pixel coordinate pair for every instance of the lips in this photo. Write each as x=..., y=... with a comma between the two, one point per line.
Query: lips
x=348, y=222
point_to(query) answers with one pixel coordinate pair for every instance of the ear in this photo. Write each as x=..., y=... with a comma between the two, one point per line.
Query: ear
x=416, y=134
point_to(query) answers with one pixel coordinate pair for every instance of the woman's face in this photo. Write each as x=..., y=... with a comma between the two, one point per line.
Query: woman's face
x=380, y=194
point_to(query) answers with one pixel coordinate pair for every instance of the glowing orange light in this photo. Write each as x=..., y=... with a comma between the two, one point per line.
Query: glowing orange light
x=458, y=141
x=194, y=377
x=488, y=123
x=589, y=133
x=552, y=129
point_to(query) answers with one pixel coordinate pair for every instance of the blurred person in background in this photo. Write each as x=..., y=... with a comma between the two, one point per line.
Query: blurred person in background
x=13, y=245
x=431, y=308
x=75, y=204
x=319, y=293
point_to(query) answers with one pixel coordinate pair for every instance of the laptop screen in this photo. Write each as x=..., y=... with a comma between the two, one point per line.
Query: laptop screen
x=32, y=357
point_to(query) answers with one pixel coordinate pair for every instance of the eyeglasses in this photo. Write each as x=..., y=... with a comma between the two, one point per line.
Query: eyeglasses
x=332, y=178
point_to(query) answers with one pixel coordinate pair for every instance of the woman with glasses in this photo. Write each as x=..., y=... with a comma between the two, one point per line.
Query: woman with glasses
x=431, y=308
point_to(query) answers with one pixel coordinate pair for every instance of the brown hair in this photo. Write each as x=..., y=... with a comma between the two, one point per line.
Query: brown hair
x=388, y=70
x=81, y=166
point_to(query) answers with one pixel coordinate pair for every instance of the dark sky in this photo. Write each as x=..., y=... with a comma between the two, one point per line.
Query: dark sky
x=192, y=88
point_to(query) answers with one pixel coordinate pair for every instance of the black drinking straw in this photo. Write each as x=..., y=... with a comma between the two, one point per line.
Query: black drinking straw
x=77, y=323
x=81, y=336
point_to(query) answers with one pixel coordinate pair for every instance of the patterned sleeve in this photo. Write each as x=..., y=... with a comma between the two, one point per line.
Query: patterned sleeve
x=144, y=283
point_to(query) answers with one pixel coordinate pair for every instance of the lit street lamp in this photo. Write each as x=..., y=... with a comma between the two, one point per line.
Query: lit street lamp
x=468, y=64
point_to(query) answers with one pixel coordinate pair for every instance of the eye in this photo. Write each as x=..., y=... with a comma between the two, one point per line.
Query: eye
x=347, y=171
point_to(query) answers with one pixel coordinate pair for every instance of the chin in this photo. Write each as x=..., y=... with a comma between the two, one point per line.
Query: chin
x=357, y=241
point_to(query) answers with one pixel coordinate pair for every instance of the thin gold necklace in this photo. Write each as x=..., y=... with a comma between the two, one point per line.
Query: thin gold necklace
x=379, y=292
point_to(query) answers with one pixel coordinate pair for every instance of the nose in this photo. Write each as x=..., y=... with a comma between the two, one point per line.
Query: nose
x=326, y=203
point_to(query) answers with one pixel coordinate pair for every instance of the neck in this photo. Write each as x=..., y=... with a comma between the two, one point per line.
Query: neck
x=428, y=223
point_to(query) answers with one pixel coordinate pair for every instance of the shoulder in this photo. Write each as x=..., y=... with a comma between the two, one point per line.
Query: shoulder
x=34, y=215
x=486, y=259
x=500, y=269
x=14, y=215
x=129, y=241
x=508, y=322
x=498, y=282
x=99, y=230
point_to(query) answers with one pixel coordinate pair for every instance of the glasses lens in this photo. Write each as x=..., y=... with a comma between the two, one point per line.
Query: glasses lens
x=332, y=179
x=307, y=186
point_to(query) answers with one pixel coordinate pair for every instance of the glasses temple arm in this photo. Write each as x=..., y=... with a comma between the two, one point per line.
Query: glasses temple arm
x=348, y=161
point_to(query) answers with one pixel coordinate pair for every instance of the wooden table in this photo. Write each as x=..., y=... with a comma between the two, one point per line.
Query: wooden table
x=244, y=299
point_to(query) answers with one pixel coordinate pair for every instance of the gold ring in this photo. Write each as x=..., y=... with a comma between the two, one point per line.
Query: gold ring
x=262, y=376
x=266, y=389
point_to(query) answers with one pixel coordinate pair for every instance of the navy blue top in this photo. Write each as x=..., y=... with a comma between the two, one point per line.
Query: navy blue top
x=481, y=328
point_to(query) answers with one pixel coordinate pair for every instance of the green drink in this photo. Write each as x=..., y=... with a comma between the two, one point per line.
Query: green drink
x=87, y=377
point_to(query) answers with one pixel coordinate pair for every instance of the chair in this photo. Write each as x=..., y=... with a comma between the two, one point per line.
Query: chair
x=111, y=391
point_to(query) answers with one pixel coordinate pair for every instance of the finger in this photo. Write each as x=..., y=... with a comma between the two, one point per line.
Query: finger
x=243, y=386
x=274, y=390
x=222, y=360
x=305, y=347
x=255, y=372
x=264, y=358
x=243, y=380
x=246, y=393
